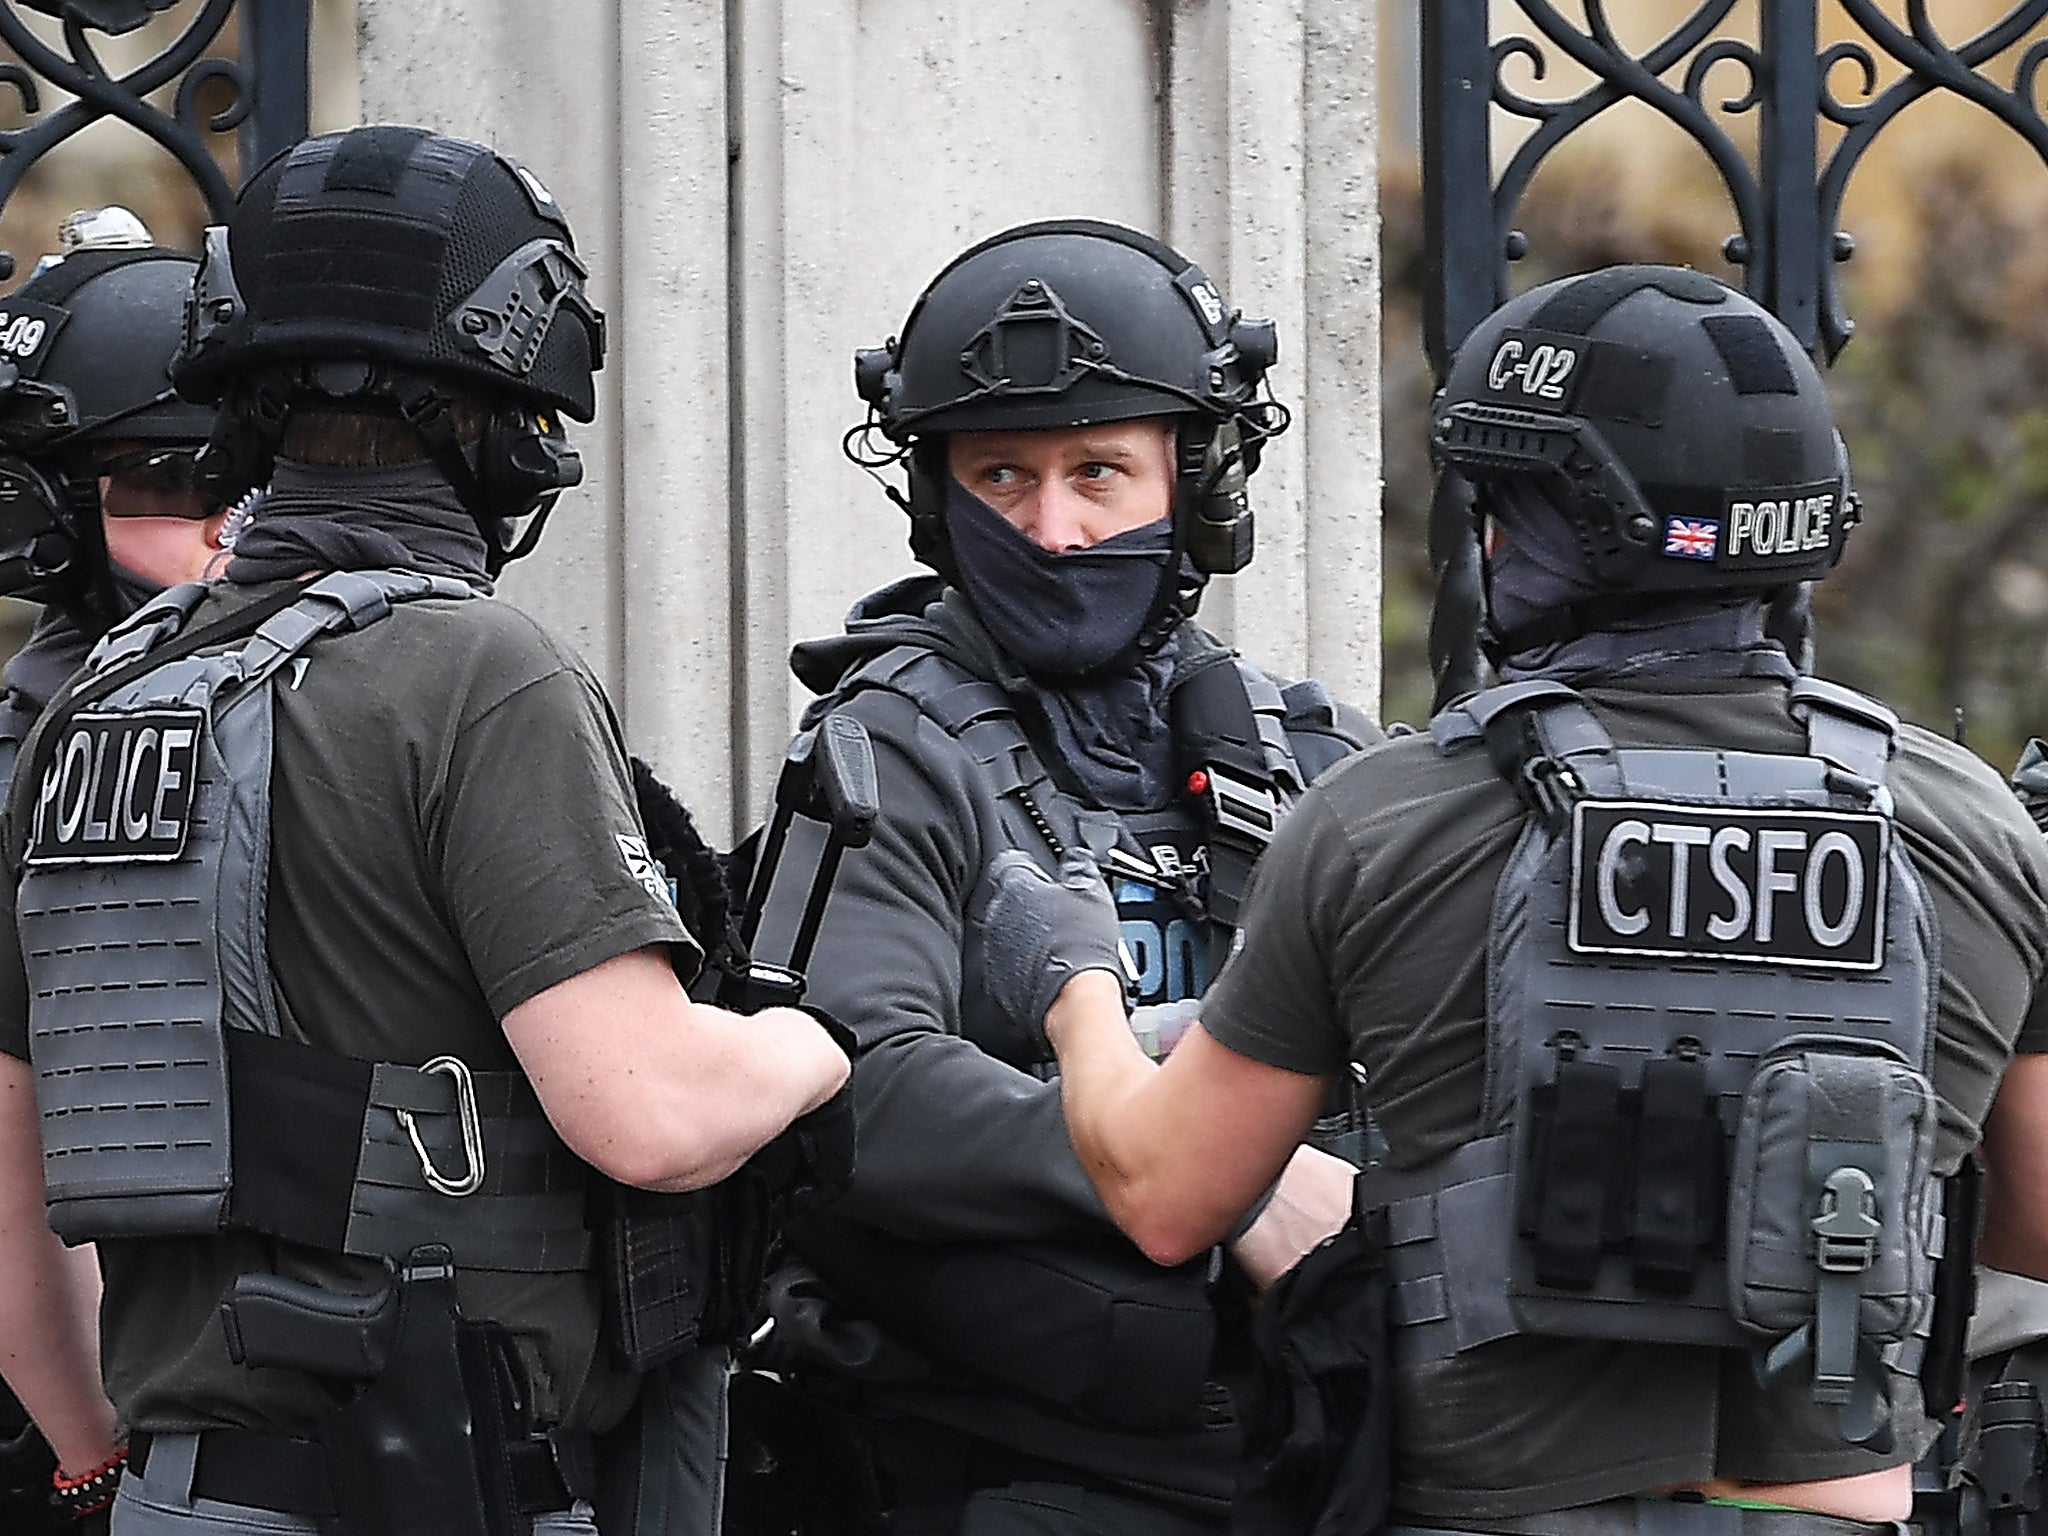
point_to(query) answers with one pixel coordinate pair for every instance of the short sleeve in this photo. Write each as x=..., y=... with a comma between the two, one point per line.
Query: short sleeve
x=538, y=844
x=1274, y=1000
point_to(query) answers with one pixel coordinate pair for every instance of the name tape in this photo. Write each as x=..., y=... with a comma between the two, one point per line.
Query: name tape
x=118, y=789
x=1766, y=886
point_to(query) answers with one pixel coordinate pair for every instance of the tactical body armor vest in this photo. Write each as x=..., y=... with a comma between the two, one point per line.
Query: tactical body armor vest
x=170, y=1104
x=1710, y=1000
x=1244, y=747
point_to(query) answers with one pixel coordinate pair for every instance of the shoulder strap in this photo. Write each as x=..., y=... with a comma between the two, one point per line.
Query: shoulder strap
x=1230, y=738
x=1850, y=732
x=1320, y=730
x=1543, y=739
x=339, y=601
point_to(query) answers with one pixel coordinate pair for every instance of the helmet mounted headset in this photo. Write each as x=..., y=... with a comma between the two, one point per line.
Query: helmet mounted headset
x=1073, y=323
x=85, y=351
x=383, y=271
x=1674, y=423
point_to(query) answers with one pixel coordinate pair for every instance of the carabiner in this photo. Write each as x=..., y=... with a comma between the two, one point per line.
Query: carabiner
x=472, y=1132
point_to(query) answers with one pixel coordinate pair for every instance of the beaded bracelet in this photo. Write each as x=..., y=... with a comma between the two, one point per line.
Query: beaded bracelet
x=79, y=1497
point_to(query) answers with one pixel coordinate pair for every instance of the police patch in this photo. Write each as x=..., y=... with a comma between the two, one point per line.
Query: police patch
x=1785, y=523
x=118, y=789
x=1780, y=887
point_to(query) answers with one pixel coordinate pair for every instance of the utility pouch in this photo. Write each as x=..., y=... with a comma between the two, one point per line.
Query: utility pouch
x=1091, y=1329
x=684, y=1270
x=659, y=1257
x=1832, y=1210
x=440, y=1440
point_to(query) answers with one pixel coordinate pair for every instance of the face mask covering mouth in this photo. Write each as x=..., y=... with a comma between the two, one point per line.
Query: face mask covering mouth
x=1056, y=615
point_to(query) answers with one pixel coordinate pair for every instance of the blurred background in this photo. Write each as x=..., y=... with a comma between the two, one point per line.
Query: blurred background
x=1942, y=394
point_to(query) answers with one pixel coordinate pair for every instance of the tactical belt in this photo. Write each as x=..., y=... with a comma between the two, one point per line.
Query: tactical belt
x=1659, y=1517
x=290, y=1477
x=333, y=1152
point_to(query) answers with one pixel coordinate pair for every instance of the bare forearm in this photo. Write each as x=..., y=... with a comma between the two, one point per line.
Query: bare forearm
x=661, y=1092
x=747, y=1078
x=49, y=1297
x=1179, y=1152
x=2015, y=1152
x=1105, y=1078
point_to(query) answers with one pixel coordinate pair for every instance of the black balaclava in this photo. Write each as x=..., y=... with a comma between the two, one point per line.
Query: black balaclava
x=1059, y=616
x=405, y=517
x=1071, y=622
x=1540, y=568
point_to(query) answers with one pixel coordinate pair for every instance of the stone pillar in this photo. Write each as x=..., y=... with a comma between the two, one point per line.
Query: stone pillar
x=762, y=187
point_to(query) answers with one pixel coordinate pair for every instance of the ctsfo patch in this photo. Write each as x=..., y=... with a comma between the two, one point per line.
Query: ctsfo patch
x=1781, y=887
x=119, y=788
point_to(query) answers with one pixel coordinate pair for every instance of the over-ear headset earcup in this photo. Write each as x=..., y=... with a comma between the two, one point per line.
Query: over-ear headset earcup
x=926, y=471
x=523, y=459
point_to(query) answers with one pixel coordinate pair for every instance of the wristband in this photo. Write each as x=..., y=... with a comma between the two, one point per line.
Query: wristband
x=90, y=1493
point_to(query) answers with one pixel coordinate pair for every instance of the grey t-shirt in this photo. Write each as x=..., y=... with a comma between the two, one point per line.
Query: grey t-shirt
x=1364, y=940
x=448, y=801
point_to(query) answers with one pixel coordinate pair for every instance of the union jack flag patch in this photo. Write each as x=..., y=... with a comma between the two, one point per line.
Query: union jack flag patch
x=1692, y=538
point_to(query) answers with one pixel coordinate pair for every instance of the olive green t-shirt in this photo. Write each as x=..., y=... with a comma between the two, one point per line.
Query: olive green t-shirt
x=1364, y=939
x=452, y=832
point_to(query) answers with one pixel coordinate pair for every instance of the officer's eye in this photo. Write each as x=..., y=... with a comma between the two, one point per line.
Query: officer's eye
x=1000, y=474
x=1097, y=469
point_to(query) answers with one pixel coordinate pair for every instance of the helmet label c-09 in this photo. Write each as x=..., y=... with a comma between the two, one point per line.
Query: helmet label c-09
x=26, y=330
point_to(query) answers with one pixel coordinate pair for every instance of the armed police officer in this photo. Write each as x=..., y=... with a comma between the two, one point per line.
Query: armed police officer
x=101, y=512
x=1077, y=410
x=1683, y=985
x=342, y=968
x=103, y=509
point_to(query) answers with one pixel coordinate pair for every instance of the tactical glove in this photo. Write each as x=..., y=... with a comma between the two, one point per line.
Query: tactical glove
x=1037, y=934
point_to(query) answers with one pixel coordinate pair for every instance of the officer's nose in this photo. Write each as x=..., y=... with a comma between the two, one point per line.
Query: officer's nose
x=1057, y=525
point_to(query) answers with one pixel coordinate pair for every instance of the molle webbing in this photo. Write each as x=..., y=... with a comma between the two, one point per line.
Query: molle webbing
x=1593, y=1202
x=321, y=1158
x=170, y=1106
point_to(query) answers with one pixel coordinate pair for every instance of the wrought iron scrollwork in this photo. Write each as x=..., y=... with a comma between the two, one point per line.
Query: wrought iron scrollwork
x=265, y=89
x=1786, y=202
x=1786, y=195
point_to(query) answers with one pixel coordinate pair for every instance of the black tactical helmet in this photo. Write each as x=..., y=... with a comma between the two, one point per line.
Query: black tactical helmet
x=1676, y=422
x=1071, y=323
x=85, y=352
x=376, y=269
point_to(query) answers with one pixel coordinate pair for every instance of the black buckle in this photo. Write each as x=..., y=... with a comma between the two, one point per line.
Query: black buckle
x=1242, y=807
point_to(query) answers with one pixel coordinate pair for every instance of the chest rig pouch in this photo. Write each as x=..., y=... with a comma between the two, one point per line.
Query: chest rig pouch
x=1707, y=1118
x=170, y=1103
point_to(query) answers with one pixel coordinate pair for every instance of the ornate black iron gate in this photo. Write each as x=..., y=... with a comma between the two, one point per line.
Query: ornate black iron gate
x=266, y=88
x=1786, y=202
